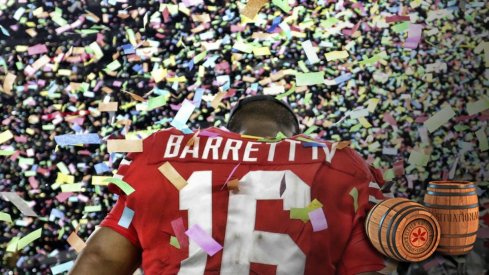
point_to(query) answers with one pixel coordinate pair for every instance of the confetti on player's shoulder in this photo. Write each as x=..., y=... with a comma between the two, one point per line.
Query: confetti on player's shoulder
x=403, y=84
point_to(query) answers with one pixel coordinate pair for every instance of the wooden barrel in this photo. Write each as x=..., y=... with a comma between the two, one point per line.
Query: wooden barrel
x=455, y=206
x=402, y=230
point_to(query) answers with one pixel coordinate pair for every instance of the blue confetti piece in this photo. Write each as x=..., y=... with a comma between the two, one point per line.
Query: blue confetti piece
x=198, y=97
x=312, y=144
x=126, y=217
x=276, y=21
x=128, y=49
x=77, y=139
x=343, y=78
x=101, y=168
x=62, y=267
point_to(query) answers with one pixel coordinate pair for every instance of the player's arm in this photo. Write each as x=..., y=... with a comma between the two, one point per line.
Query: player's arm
x=107, y=252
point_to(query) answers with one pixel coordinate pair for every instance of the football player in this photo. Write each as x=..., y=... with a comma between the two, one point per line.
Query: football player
x=260, y=198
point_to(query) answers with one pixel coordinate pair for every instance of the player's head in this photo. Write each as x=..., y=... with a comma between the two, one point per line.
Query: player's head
x=264, y=116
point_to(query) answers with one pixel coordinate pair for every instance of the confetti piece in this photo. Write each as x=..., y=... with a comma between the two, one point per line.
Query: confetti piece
x=8, y=83
x=318, y=220
x=6, y=136
x=172, y=175
x=124, y=186
x=174, y=242
x=253, y=7
x=482, y=137
x=29, y=238
x=76, y=242
x=183, y=114
x=5, y=217
x=283, y=4
x=19, y=203
x=418, y=158
x=57, y=269
x=203, y=239
x=439, y=119
x=126, y=217
x=99, y=180
x=12, y=245
x=354, y=195
x=479, y=106
x=310, y=52
x=70, y=139
x=336, y=55
x=304, y=79
x=179, y=230
x=108, y=107
x=261, y=51
x=414, y=36
x=124, y=145
x=299, y=214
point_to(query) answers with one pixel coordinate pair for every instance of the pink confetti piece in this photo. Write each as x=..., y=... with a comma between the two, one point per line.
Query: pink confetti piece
x=318, y=220
x=179, y=230
x=37, y=49
x=61, y=197
x=203, y=239
x=414, y=36
x=230, y=175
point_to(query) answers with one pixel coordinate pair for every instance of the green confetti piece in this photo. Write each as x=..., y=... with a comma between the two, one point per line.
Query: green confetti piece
x=282, y=4
x=6, y=152
x=439, y=119
x=121, y=184
x=114, y=65
x=174, y=242
x=92, y=208
x=354, y=195
x=482, y=137
x=299, y=214
x=48, y=127
x=5, y=217
x=61, y=233
x=479, y=106
x=418, y=158
x=280, y=136
x=26, y=161
x=12, y=245
x=29, y=238
x=289, y=92
x=389, y=174
x=62, y=168
x=72, y=187
x=311, y=130
x=199, y=57
x=328, y=23
x=156, y=102
x=305, y=79
x=401, y=27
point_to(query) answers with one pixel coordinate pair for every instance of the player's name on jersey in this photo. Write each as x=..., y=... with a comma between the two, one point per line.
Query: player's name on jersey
x=229, y=149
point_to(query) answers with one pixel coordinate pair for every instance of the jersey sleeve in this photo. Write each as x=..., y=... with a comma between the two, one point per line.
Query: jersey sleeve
x=113, y=218
x=359, y=255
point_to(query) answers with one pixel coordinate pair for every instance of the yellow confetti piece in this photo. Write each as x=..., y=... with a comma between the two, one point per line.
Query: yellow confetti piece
x=261, y=51
x=418, y=158
x=335, y=55
x=364, y=122
x=479, y=106
x=12, y=245
x=174, y=242
x=124, y=145
x=172, y=175
x=64, y=178
x=99, y=180
x=5, y=136
x=217, y=99
x=354, y=195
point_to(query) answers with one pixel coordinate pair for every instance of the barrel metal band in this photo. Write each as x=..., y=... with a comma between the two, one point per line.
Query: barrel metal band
x=450, y=194
x=451, y=186
x=368, y=218
x=441, y=206
x=411, y=209
x=382, y=222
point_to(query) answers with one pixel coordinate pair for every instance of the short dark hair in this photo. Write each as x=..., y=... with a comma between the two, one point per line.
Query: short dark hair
x=263, y=107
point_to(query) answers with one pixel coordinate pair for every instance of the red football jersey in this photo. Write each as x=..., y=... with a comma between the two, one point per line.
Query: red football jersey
x=257, y=225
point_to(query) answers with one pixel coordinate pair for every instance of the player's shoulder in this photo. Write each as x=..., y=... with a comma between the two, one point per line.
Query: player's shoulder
x=348, y=160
